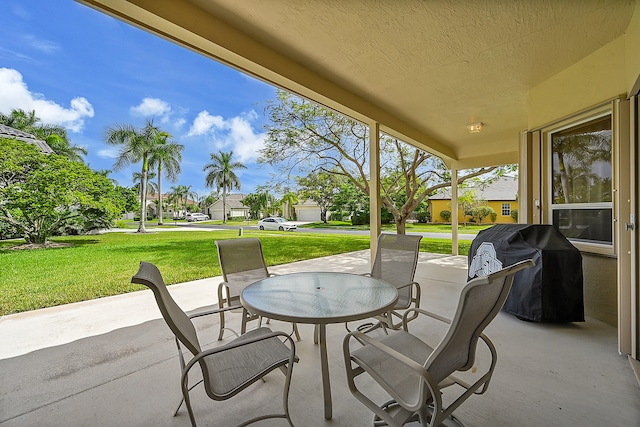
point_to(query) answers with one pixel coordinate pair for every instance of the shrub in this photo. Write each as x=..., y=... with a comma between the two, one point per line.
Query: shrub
x=423, y=217
x=446, y=215
x=385, y=216
x=514, y=214
x=360, y=218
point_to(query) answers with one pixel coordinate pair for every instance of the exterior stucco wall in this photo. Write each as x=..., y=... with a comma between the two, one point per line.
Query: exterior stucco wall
x=632, y=48
x=595, y=79
x=600, y=288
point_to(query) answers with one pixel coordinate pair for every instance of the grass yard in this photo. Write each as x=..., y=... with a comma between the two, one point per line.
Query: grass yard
x=102, y=265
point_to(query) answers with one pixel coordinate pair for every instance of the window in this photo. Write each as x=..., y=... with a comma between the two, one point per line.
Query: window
x=506, y=209
x=581, y=179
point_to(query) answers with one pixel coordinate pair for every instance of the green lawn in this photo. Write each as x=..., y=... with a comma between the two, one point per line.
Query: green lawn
x=102, y=265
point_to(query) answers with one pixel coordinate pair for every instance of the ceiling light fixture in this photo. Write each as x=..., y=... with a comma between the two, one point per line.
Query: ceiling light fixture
x=475, y=127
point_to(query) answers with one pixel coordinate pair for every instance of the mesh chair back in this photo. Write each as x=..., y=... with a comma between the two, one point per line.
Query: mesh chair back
x=480, y=301
x=177, y=320
x=242, y=262
x=395, y=262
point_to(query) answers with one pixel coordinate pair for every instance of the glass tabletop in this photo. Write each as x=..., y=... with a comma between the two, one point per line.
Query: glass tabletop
x=320, y=297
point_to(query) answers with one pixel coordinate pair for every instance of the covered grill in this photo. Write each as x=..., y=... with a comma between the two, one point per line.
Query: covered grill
x=552, y=290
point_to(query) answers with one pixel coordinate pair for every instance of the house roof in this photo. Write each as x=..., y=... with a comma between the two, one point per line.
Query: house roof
x=505, y=188
x=11, y=133
x=421, y=69
x=233, y=201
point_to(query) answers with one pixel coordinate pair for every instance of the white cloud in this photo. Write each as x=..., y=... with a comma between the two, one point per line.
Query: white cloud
x=235, y=134
x=14, y=94
x=109, y=153
x=205, y=123
x=179, y=123
x=243, y=140
x=153, y=107
x=44, y=46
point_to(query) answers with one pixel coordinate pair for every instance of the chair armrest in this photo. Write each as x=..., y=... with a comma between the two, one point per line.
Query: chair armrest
x=214, y=311
x=426, y=313
x=410, y=363
x=408, y=284
x=483, y=382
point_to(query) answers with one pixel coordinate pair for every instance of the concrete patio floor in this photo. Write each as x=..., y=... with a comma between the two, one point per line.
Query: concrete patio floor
x=112, y=362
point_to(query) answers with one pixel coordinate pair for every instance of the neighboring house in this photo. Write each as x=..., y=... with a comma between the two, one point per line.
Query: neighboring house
x=11, y=133
x=501, y=195
x=169, y=211
x=234, y=207
x=308, y=210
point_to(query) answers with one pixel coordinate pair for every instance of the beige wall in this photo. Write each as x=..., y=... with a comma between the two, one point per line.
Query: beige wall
x=611, y=71
x=632, y=48
x=595, y=79
x=600, y=291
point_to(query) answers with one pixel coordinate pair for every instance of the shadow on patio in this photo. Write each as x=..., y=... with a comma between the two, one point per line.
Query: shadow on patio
x=113, y=362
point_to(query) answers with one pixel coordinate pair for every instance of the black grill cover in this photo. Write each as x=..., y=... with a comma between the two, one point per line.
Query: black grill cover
x=550, y=291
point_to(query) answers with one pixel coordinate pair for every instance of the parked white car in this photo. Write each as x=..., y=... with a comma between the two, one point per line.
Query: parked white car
x=276, y=223
x=197, y=216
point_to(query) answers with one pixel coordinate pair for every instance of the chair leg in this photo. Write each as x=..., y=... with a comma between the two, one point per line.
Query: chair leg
x=185, y=396
x=221, y=305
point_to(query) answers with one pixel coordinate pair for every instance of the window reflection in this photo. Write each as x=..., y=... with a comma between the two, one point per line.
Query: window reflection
x=581, y=176
x=582, y=163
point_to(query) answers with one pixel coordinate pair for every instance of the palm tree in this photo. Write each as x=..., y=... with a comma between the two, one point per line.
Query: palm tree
x=221, y=174
x=181, y=194
x=137, y=146
x=167, y=155
x=63, y=147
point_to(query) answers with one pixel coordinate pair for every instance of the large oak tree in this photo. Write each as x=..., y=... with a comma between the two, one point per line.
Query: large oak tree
x=304, y=137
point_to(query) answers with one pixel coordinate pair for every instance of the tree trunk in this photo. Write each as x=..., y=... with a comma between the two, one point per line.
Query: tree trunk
x=143, y=197
x=224, y=205
x=401, y=225
x=159, y=193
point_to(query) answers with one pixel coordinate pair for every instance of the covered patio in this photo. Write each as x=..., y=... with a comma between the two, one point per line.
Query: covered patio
x=423, y=72
x=112, y=361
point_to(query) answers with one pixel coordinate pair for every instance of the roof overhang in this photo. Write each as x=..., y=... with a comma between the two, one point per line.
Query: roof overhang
x=422, y=70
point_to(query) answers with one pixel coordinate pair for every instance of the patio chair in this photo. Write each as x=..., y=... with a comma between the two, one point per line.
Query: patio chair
x=395, y=262
x=242, y=263
x=227, y=369
x=414, y=372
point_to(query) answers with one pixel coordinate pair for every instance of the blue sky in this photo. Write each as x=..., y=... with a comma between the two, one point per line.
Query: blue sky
x=84, y=70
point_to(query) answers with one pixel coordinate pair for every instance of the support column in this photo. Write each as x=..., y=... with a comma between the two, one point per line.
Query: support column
x=454, y=210
x=374, y=187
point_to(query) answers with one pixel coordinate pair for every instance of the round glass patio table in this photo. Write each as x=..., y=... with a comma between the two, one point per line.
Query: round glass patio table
x=319, y=298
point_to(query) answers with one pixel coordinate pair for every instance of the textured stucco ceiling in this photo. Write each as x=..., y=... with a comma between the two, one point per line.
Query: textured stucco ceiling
x=423, y=69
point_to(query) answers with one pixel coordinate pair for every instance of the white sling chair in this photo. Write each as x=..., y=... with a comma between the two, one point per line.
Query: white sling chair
x=227, y=369
x=414, y=372
x=242, y=263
